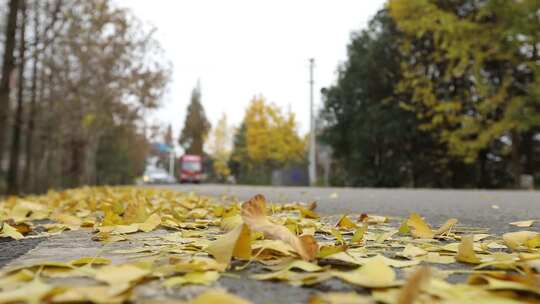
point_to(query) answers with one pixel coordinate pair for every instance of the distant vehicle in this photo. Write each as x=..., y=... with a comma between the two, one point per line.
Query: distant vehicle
x=190, y=169
x=157, y=176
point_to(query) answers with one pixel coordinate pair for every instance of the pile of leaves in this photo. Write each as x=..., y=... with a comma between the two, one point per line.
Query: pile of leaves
x=386, y=260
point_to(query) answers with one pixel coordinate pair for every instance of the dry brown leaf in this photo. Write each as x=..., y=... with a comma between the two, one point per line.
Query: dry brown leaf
x=254, y=215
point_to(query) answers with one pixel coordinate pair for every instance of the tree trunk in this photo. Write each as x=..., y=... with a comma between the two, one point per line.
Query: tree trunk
x=12, y=177
x=483, y=179
x=516, y=158
x=528, y=151
x=27, y=177
x=7, y=68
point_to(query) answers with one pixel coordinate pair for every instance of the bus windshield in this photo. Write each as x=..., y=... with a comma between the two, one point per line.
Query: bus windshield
x=191, y=166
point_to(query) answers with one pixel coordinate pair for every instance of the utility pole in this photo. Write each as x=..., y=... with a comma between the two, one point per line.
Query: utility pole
x=312, y=161
x=171, y=161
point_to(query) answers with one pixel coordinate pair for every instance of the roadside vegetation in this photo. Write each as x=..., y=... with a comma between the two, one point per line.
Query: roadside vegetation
x=77, y=78
x=438, y=94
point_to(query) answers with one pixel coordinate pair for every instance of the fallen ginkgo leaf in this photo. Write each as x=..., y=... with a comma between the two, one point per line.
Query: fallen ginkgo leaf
x=466, y=252
x=236, y=242
x=199, y=278
x=373, y=274
x=254, y=215
x=515, y=240
x=523, y=224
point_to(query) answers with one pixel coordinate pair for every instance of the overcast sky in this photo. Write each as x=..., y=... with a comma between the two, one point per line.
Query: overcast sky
x=242, y=48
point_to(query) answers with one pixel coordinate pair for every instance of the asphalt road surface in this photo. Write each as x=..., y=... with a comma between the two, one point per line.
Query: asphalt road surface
x=479, y=208
x=493, y=209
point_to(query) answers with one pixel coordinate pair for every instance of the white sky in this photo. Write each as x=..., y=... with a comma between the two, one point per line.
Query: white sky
x=242, y=48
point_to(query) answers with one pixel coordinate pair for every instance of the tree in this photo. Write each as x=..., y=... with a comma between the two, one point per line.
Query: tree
x=196, y=125
x=12, y=177
x=270, y=135
x=375, y=142
x=267, y=139
x=219, y=148
x=117, y=162
x=8, y=65
x=238, y=161
x=44, y=33
x=100, y=78
x=471, y=68
x=168, y=136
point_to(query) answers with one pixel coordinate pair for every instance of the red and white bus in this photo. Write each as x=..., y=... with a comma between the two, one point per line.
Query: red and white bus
x=191, y=169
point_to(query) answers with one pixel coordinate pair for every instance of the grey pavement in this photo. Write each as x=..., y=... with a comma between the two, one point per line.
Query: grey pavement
x=493, y=209
x=479, y=208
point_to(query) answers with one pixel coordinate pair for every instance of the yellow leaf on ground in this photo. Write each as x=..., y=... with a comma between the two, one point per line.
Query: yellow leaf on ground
x=94, y=294
x=339, y=237
x=374, y=274
x=307, y=213
x=436, y=258
x=466, y=252
x=346, y=223
x=515, y=240
x=254, y=215
x=358, y=235
x=293, y=277
x=328, y=250
x=296, y=264
x=419, y=228
x=231, y=222
x=90, y=260
x=533, y=242
x=70, y=220
x=218, y=296
x=525, y=284
x=186, y=265
x=373, y=219
x=273, y=247
x=446, y=226
x=8, y=231
x=411, y=289
x=151, y=223
x=32, y=293
x=236, y=242
x=410, y=251
x=343, y=257
x=16, y=278
x=404, y=228
x=340, y=298
x=120, y=274
x=135, y=212
x=26, y=210
x=523, y=224
x=199, y=278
